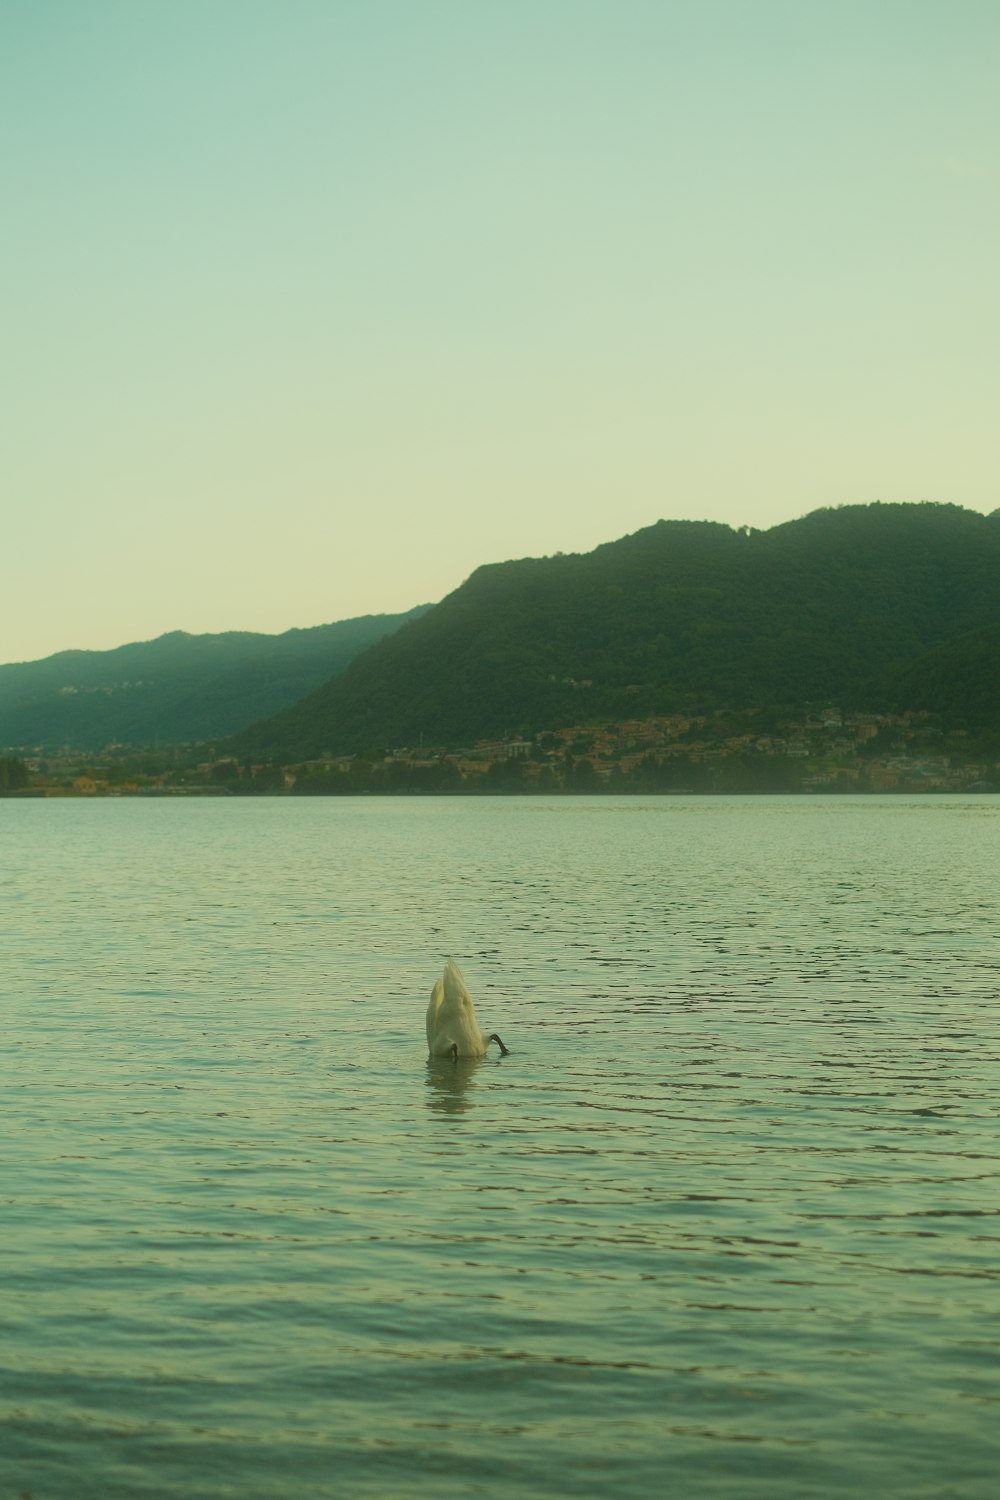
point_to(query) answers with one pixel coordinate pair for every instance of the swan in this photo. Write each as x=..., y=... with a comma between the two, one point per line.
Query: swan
x=452, y=1028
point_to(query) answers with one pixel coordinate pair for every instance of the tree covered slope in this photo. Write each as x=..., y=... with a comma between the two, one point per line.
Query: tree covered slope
x=681, y=616
x=179, y=688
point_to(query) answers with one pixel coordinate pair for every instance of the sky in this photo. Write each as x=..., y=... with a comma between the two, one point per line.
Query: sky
x=310, y=307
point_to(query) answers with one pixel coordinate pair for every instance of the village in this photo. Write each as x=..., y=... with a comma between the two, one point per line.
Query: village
x=749, y=751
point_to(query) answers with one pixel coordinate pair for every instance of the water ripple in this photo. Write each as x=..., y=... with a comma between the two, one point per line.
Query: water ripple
x=729, y=1206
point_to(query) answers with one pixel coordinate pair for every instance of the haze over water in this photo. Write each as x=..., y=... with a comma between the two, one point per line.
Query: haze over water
x=727, y=1214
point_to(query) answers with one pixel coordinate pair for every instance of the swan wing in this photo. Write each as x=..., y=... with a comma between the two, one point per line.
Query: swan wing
x=434, y=1011
x=451, y=1017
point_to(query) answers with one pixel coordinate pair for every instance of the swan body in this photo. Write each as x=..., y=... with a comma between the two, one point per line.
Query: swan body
x=452, y=1027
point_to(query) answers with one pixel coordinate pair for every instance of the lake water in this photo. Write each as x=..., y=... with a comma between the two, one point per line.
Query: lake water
x=724, y=1223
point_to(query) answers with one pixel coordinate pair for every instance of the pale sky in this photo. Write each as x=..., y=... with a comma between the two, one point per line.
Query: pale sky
x=309, y=307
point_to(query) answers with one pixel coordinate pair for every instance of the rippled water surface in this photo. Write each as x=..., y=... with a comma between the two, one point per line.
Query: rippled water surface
x=724, y=1222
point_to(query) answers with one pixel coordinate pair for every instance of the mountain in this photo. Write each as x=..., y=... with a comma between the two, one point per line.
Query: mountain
x=678, y=617
x=959, y=681
x=176, y=689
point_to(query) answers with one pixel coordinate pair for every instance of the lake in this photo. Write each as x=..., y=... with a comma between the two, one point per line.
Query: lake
x=723, y=1224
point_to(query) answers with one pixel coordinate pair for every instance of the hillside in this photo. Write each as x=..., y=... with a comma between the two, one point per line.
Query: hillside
x=179, y=688
x=681, y=616
x=959, y=681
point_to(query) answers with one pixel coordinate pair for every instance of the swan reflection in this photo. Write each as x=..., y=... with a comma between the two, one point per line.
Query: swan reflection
x=448, y=1082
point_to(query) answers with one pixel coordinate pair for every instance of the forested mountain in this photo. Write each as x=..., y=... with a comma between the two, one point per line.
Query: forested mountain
x=179, y=688
x=862, y=605
x=959, y=681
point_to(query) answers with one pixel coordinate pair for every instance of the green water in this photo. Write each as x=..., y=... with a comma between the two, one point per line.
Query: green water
x=724, y=1223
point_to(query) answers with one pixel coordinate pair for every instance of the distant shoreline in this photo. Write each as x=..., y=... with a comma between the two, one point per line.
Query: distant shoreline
x=42, y=794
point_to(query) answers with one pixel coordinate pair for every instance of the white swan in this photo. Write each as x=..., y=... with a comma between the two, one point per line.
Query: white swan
x=452, y=1028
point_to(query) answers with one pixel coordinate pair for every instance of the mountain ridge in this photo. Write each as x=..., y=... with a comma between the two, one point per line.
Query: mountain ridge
x=880, y=606
x=676, y=617
x=178, y=687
